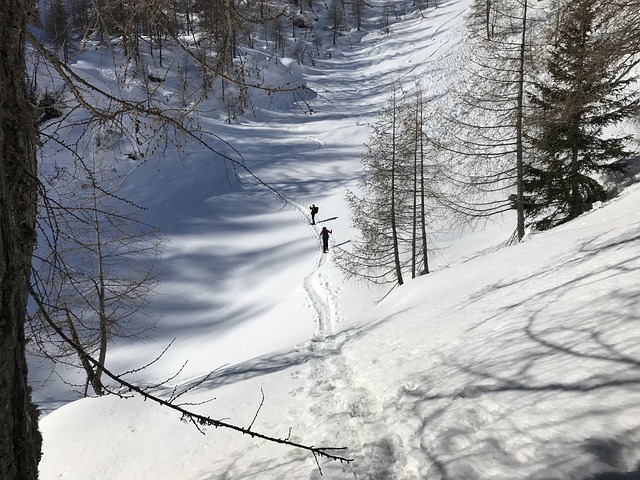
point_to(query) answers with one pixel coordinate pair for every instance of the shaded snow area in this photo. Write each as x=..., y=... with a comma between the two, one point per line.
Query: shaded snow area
x=520, y=363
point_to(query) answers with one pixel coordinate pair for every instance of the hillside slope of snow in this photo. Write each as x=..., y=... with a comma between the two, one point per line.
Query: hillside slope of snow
x=519, y=363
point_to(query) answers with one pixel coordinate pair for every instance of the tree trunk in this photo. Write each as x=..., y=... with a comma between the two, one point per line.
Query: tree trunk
x=520, y=133
x=394, y=228
x=20, y=439
x=488, y=19
x=423, y=212
x=414, y=233
x=100, y=292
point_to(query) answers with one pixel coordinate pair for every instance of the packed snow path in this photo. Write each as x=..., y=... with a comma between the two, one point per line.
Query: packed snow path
x=340, y=409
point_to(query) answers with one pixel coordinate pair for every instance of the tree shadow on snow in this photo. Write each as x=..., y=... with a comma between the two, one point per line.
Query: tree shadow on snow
x=616, y=476
x=562, y=364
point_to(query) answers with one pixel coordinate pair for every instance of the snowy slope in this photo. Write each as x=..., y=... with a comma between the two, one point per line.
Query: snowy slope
x=521, y=363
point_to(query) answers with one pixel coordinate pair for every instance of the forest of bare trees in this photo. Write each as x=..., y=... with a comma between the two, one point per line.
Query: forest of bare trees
x=397, y=196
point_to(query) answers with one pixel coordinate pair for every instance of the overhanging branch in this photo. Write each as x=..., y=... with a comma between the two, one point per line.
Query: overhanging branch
x=196, y=419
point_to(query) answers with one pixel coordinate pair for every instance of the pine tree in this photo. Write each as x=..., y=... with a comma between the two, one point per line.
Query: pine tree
x=587, y=91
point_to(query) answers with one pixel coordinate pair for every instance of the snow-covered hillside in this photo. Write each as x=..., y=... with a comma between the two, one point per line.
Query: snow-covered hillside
x=519, y=363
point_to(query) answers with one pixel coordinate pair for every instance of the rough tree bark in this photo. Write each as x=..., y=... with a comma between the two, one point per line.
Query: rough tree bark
x=20, y=439
x=520, y=129
x=394, y=159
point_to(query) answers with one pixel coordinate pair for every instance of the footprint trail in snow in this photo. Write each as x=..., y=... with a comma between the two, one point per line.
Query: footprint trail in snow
x=344, y=407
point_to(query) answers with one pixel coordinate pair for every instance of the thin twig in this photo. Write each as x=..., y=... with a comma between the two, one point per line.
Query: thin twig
x=257, y=411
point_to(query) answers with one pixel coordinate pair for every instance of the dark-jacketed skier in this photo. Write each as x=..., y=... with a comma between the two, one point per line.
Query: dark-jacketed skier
x=325, y=239
x=314, y=210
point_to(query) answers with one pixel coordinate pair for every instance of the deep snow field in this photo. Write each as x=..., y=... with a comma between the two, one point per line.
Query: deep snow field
x=521, y=362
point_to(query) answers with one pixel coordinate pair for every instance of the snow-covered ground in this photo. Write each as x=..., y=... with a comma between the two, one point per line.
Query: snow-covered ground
x=519, y=363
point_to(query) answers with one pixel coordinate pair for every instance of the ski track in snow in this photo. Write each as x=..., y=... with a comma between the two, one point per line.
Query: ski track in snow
x=329, y=383
x=329, y=378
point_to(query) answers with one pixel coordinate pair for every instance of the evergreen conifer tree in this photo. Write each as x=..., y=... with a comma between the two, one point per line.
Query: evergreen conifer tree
x=587, y=90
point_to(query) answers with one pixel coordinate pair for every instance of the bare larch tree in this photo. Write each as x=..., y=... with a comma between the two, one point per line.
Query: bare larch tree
x=20, y=439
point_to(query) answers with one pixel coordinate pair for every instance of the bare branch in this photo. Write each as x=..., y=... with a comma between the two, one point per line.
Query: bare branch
x=196, y=419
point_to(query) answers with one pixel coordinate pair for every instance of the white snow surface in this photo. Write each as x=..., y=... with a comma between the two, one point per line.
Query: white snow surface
x=519, y=362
